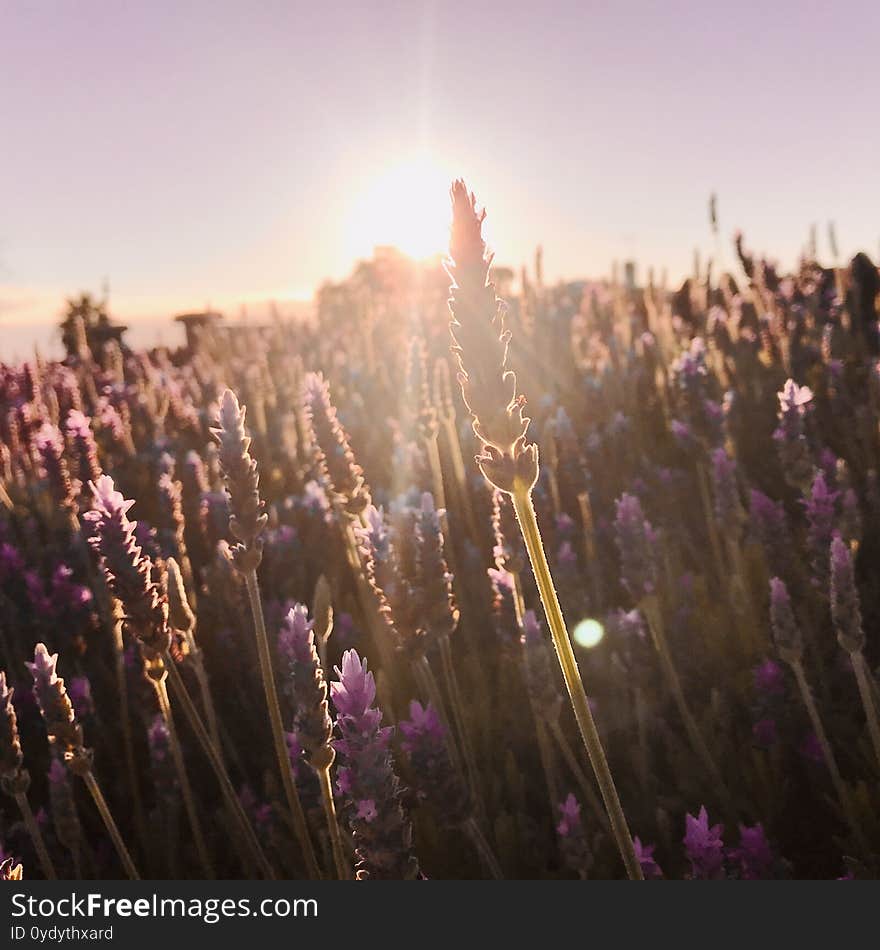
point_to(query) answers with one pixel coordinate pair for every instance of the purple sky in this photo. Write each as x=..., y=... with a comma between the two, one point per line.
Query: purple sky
x=194, y=152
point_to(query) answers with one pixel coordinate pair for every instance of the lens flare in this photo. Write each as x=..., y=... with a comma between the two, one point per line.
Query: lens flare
x=588, y=633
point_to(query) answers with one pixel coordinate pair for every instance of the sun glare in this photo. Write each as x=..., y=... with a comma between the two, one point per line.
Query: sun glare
x=406, y=206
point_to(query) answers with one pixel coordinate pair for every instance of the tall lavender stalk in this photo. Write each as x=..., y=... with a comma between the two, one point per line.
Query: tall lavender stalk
x=14, y=777
x=247, y=522
x=65, y=732
x=488, y=385
x=847, y=616
x=311, y=720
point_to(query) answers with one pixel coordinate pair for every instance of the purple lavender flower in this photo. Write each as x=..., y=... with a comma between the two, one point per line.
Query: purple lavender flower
x=83, y=450
x=636, y=540
x=247, y=519
x=786, y=632
x=308, y=691
x=503, y=605
x=425, y=744
x=573, y=844
x=845, y=608
x=433, y=582
x=128, y=571
x=769, y=527
x=382, y=832
x=790, y=436
x=54, y=703
x=768, y=678
x=80, y=691
x=645, y=856
x=728, y=507
x=820, y=509
x=754, y=857
x=704, y=846
x=541, y=674
x=341, y=476
x=50, y=445
x=68, y=597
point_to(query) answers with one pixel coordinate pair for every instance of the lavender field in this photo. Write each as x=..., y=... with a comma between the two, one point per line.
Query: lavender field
x=580, y=583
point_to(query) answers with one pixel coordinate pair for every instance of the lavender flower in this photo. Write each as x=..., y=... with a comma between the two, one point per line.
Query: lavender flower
x=576, y=851
x=480, y=344
x=83, y=449
x=50, y=445
x=128, y=571
x=382, y=832
x=635, y=540
x=790, y=436
x=645, y=855
x=769, y=527
x=433, y=580
x=820, y=509
x=786, y=632
x=311, y=720
x=768, y=678
x=425, y=744
x=10, y=871
x=55, y=706
x=728, y=507
x=13, y=776
x=503, y=605
x=541, y=676
x=845, y=609
x=753, y=858
x=247, y=520
x=704, y=846
x=65, y=819
x=337, y=469
x=162, y=767
x=394, y=595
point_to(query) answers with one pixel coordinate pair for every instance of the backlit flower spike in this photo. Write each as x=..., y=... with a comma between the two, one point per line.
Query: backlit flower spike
x=54, y=703
x=311, y=719
x=247, y=519
x=480, y=344
x=129, y=572
x=13, y=776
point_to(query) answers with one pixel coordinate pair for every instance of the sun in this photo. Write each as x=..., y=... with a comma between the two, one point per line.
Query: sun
x=406, y=206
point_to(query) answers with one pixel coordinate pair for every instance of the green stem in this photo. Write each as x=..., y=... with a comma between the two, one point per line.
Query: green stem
x=110, y=825
x=863, y=678
x=343, y=871
x=487, y=855
x=584, y=783
x=232, y=800
x=457, y=704
x=528, y=522
x=828, y=753
x=182, y=777
x=114, y=619
x=280, y=742
x=24, y=806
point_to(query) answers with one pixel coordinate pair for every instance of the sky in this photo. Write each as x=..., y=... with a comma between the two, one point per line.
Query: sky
x=221, y=153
